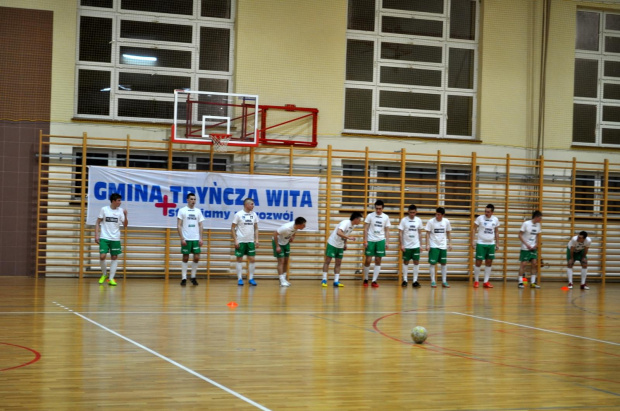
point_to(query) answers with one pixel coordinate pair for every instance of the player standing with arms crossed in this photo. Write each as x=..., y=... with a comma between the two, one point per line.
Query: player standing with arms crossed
x=486, y=240
x=530, y=238
x=108, y=235
x=189, y=227
x=410, y=229
x=244, y=230
x=376, y=241
x=281, y=244
x=577, y=250
x=438, y=242
x=337, y=245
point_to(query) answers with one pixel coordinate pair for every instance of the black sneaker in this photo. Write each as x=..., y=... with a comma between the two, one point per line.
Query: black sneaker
x=404, y=284
x=193, y=280
x=365, y=283
x=416, y=284
x=183, y=282
x=521, y=285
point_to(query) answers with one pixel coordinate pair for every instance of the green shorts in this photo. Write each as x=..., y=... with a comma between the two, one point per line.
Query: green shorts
x=527, y=255
x=248, y=249
x=485, y=251
x=110, y=246
x=191, y=247
x=577, y=255
x=437, y=255
x=411, y=254
x=375, y=249
x=334, y=252
x=285, y=250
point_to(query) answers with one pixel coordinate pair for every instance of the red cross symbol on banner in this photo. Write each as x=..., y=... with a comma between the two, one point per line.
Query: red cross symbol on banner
x=165, y=205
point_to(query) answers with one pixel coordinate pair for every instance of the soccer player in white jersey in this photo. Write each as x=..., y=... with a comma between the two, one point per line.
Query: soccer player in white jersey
x=410, y=229
x=245, y=235
x=577, y=250
x=376, y=241
x=337, y=245
x=189, y=227
x=438, y=243
x=108, y=235
x=529, y=235
x=281, y=244
x=485, y=243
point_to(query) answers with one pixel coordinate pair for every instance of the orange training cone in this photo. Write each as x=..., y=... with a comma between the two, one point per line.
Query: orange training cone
x=232, y=304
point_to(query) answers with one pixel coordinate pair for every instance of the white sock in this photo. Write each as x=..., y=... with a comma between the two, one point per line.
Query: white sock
x=375, y=273
x=520, y=279
x=584, y=275
x=366, y=269
x=476, y=273
x=113, y=265
x=194, y=268
x=282, y=278
x=431, y=269
x=533, y=279
x=336, y=277
x=416, y=269
x=103, y=267
x=405, y=271
x=252, y=265
x=324, y=276
x=569, y=274
x=239, y=270
x=487, y=273
x=184, y=270
x=444, y=273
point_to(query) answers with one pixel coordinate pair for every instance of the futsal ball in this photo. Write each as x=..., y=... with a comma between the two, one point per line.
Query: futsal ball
x=419, y=334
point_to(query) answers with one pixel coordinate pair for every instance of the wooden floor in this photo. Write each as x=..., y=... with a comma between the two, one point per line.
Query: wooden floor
x=148, y=344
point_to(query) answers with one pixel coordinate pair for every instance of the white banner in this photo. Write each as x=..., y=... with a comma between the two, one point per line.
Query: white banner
x=153, y=198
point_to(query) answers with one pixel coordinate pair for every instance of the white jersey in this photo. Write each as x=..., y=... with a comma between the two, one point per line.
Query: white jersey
x=245, y=226
x=377, y=224
x=438, y=232
x=530, y=234
x=191, y=218
x=487, y=227
x=579, y=246
x=410, y=232
x=111, y=221
x=334, y=239
x=285, y=232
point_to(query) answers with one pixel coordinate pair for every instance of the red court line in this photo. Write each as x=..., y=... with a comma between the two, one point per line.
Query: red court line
x=37, y=356
x=442, y=350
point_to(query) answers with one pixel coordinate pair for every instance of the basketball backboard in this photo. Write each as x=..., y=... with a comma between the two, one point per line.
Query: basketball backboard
x=198, y=114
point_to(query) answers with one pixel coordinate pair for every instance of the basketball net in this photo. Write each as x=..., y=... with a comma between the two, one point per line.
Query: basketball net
x=220, y=142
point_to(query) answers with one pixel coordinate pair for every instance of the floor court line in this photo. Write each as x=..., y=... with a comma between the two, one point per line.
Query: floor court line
x=537, y=329
x=231, y=312
x=163, y=357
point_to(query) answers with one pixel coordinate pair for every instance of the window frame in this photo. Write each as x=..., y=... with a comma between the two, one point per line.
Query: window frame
x=594, y=195
x=600, y=102
x=378, y=185
x=378, y=37
x=116, y=67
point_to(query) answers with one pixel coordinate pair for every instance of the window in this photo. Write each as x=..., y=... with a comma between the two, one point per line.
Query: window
x=383, y=181
x=586, y=186
x=411, y=68
x=590, y=193
x=133, y=54
x=596, y=108
x=152, y=161
x=92, y=159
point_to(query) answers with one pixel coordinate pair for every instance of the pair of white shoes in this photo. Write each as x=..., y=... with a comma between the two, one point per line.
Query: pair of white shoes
x=284, y=283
